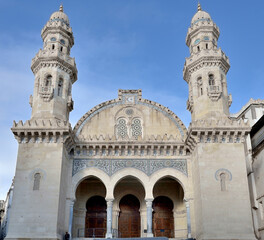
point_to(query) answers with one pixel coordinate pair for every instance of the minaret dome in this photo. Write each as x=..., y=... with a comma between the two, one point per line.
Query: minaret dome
x=200, y=16
x=60, y=16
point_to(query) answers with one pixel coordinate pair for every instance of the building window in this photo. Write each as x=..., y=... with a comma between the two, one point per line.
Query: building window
x=36, y=184
x=60, y=87
x=121, y=128
x=136, y=128
x=200, y=86
x=253, y=112
x=211, y=80
x=48, y=81
x=53, y=47
x=223, y=181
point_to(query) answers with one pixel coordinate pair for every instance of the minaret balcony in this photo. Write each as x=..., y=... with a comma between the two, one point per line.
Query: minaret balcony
x=46, y=93
x=213, y=89
x=214, y=92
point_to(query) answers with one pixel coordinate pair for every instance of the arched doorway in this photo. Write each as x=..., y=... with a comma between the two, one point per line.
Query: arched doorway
x=163, y=221
x=129, y=218
x=95, y=220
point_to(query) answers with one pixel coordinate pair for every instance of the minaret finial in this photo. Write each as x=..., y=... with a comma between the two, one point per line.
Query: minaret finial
x=61, y=8
x=199, y=7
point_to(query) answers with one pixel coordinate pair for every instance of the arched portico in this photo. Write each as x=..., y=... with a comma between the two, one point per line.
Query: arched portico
x=130, y=172
x=135, y=182
x=89, y=209
x=169, y=210
x=87, y=173
x=125, y=214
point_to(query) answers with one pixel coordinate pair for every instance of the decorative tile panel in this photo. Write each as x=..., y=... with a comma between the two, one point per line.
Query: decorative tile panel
x=148, y=166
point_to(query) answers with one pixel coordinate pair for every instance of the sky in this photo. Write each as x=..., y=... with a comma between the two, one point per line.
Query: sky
x=123, y=44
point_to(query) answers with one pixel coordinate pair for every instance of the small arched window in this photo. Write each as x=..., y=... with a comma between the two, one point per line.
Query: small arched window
x=223, y=181
x=53, y=47
x=200, y=86
x=48, y=81
x=60, y=87
x=36, y=184
x=136, y=128
x=121, y=128
x=211, y=80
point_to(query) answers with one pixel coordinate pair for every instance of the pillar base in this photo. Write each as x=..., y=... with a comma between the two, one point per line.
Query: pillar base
x=149, y=234
x=108, y=235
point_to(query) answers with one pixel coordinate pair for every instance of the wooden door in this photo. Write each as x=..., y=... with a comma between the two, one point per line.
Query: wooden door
x=95, y=222
x=163, y=221
x=129, y=218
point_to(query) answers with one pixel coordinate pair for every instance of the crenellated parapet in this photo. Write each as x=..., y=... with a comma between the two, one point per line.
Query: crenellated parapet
x=217, y=131
x=151, y=138
x=43, y=131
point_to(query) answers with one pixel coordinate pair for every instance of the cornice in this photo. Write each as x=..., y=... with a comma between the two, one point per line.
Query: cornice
x=128, y=149
x=43, y=131
x=216, y=131
x=204, y=61
x=54, y=61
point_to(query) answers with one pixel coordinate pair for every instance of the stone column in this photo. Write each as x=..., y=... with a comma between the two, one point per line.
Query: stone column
x=109, y=218
x=149, y=217
x=71, y=218
x=189, y=230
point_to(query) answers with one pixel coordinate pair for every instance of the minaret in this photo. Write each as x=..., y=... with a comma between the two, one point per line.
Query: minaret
x=43, y=160
x=55, y=71
x=217, y=143
x=205, y=70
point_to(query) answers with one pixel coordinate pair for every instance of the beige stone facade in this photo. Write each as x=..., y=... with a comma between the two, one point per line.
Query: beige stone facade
x=130, y=168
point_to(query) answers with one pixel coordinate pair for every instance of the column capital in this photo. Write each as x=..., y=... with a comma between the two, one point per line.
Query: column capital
x=149, y=199
x=109, y=202
x=149, y=202
x=71, y=200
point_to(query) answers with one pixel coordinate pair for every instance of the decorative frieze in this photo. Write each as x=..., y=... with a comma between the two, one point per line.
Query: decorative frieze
x=148, y=166
x=127, y=150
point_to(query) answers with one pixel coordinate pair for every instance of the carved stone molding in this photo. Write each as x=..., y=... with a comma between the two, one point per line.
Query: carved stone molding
x=44, y=131
x=214, y=93
x=223, y=170
x=46, y=93
x=126, y=150
x=148, y=166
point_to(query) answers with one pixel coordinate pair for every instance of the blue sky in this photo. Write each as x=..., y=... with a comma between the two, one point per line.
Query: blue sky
x=127, y=44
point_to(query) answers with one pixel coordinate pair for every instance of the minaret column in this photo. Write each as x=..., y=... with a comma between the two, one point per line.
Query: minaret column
x=109, y=210
x=149, y=217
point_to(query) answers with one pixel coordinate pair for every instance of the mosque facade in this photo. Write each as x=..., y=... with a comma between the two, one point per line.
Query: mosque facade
x=130, y=167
